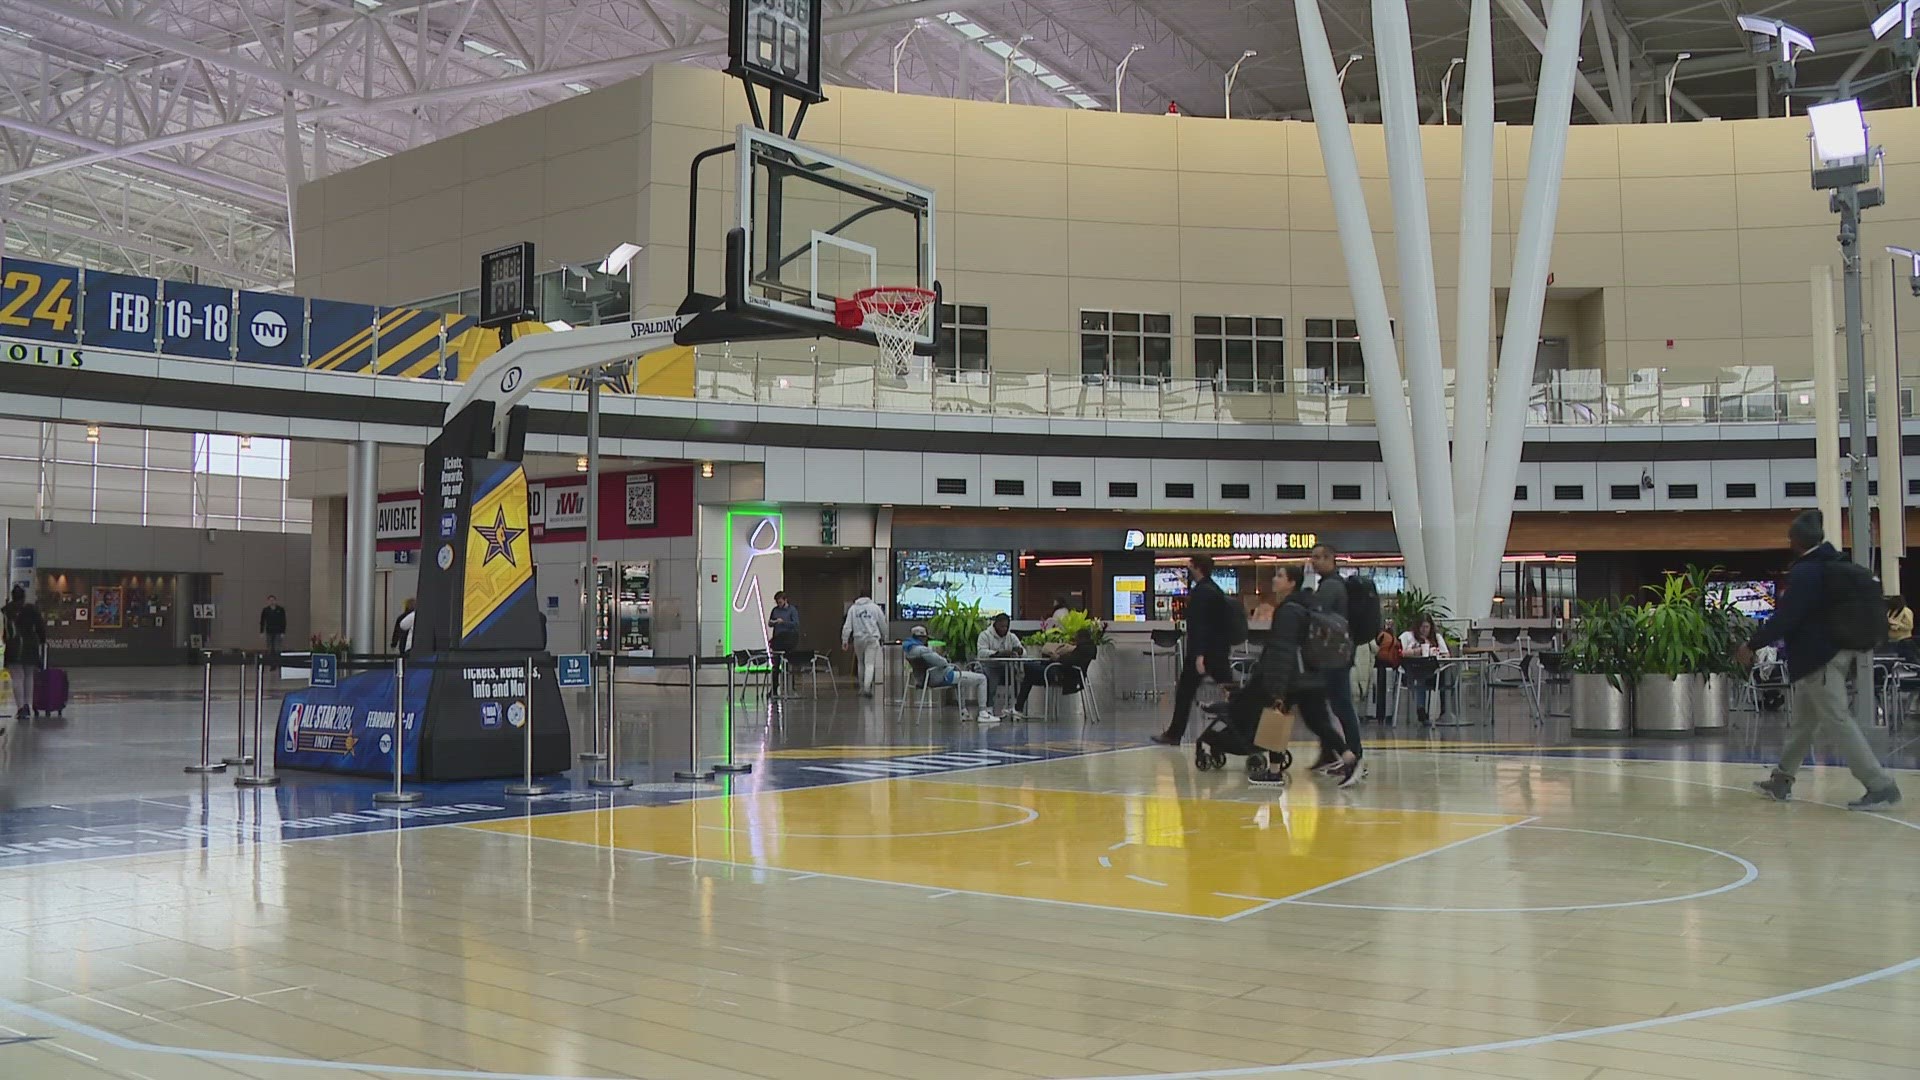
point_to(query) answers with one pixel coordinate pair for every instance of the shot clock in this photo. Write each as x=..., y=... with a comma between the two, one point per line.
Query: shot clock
x=506, y=285
x=776, y=44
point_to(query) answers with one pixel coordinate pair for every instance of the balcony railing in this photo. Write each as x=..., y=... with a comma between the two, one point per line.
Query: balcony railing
x=1562, y=402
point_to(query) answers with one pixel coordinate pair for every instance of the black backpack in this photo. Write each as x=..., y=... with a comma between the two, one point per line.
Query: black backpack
x=1364, y=620
x=1856, y=605
x=1236, y=622
x=1328, y=643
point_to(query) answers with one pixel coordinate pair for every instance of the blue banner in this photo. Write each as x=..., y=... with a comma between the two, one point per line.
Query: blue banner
x=39, y=301
x=120, y=311
x=575, y=669
x=409, y=343
x=349, y=728
x=324, y=673
x=272, y=329
x=196, y=320
x=339, y=335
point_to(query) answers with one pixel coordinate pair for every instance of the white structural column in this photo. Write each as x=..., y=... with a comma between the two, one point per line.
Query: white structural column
x=363, y=493
x=1419, y=310
x=1363, y=279
x=1526, y=295
x=1886, y=381
x=1827, y=482
x=1474, y=320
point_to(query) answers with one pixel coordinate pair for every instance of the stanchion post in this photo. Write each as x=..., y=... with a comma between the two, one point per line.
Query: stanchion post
x=240, y=755
x=206, y=763
x=602, y=747
x=399, y=794
x=526, y=788
x=731, y=766
x=612, y=779
x=693, y=771
x=255, y=778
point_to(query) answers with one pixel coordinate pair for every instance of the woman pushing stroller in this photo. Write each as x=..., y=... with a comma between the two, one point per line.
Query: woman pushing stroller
x=1284, y=677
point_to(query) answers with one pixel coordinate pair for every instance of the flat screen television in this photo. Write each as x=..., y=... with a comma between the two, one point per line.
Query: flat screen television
x=924, y=579
x=1170, y=581
x=1754, y=599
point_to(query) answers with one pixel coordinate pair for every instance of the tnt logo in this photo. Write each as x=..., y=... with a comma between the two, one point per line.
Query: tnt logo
x=269, y=329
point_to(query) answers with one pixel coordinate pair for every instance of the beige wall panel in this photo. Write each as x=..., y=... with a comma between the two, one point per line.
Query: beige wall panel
x=1014, y=133
x=1776, y=145
x=1790, y=357
x=1234, y=255
x=309, y=205
x=358, y=191
x=1317, y=302
x=1692, y=149
x=1148, y=252
x=425, y=221
x=891, y=121
x=513, y=143
x=1310, y=205
x=359, y=239
x=593, y=175
x=309, y=255
x=592, y=120
x=1580, y=260
x=504, y=198
x=1593, y=151
x=1128, y=140
x=1013, y=245
x=688, y=95
x=1128, y=196
x=1687, y=311
x=1770, y=200
x=427, y=272
x=1681, y=258
x=1015, y=301
x=1035, y=350
x=432, y=167
x=1227, y=201
x=1120, y=294
x=1021, y=188
x=927, y=170
x=1224, y=146
x=1314, y=257
x=1787, y=255
x=1775, y=310
x=1303, y=149
x=1237, y=298
x=589, y=232
x=1675, y=202
x=670, y=151
x=1691, y=360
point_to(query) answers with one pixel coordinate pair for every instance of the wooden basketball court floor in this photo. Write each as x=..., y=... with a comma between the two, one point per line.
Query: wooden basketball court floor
x=1104, y=914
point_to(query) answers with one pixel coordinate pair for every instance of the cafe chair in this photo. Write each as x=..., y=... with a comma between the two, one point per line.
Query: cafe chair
x=811, y=662
x=1162, y=644
x=1520, y=674
x=1058, y=677
x=923, y=695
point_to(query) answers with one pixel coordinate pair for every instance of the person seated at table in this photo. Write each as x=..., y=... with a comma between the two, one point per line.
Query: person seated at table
x=1068, y=661
x=968, y=685
x=1899, y=620
x=1423, y=640
x=998, y=641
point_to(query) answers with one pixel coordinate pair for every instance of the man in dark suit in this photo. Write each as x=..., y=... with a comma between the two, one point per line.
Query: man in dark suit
x=1209, y=645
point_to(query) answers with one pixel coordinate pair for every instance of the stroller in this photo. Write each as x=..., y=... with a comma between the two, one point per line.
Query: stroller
x=1265, y=745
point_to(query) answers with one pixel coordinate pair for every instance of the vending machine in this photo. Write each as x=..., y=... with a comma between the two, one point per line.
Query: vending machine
x=623, y=608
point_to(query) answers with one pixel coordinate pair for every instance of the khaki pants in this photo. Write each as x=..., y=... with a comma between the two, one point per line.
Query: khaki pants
x=1820, y=702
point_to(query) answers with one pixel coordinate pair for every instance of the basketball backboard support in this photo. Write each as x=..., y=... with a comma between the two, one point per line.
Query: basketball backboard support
x=811, y=229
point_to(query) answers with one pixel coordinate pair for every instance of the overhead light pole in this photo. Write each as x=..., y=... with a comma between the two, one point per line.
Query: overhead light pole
x=1006, y=85
x=1446, y=87
x=1673, y=73
x=1120, y=75
x=901, y=47
x=1340, y=77
x=1792, y=42
x=1842, y=164
x=1234, y=73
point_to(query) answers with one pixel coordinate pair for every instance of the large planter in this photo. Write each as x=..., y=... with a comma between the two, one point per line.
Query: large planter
x=1599, y=709
x=1664, y=706
x=1715, y=692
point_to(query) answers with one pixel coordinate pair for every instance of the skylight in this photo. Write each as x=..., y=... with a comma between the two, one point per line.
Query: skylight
x=975, y=32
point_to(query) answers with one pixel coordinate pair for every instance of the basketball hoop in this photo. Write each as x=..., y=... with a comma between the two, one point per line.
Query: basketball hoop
x=897, y=315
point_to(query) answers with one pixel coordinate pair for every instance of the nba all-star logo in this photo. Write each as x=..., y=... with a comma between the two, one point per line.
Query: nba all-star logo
x=499, y=537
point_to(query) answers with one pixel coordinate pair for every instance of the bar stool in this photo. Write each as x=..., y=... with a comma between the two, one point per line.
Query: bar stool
x=1164, y=644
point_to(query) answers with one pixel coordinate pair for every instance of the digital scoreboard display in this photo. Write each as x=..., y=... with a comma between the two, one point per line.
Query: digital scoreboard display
x=506, y=285
x=776, y=43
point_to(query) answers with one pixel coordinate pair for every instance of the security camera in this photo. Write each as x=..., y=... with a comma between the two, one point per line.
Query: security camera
x=1913, y=259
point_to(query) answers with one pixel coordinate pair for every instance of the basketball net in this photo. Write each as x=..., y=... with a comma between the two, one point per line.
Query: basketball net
x=898, y=316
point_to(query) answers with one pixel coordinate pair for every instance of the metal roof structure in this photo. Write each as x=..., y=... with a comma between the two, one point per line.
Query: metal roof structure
x=162, y=135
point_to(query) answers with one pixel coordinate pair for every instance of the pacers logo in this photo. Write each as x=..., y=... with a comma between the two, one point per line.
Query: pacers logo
x=268, y=329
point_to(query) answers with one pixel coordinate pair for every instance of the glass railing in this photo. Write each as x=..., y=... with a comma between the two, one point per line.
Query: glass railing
x=1582, y=401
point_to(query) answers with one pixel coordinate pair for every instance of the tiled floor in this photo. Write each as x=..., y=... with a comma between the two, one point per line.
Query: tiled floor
x=911, y=897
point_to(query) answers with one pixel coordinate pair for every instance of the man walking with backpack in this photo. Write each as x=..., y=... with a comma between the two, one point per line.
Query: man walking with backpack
x=1215, y=625
x=1831, y=616
x=26, y=638
x=1335, y=595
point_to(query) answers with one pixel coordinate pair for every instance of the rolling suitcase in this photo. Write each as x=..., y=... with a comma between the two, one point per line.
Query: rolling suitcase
x=49, y=689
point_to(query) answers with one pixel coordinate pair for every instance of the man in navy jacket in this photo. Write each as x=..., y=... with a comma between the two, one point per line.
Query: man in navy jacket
x=1817, y=668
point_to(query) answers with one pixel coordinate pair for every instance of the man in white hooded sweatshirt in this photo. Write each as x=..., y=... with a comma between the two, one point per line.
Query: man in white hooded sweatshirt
x=866, y=625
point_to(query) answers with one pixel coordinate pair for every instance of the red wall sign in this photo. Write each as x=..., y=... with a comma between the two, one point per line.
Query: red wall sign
x=633, y=506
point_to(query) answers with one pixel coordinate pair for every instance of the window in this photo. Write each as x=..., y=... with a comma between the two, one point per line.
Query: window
x=1743, y=491
x=1624, y=492
x=1683, y=491
x=1800, y=489
x=1009, y=487
x=1122, y=489
x=232, y=455
x=1236, y=491
x=1346, y=493
x=1520, y=493
x=950, y=485
x=1290, y=491
x=1333, y=349
x=1570, y=492
x=1066, y=489
x=1240, y=354
x=963, y=339
x=1126, y=346
x=1179, y=491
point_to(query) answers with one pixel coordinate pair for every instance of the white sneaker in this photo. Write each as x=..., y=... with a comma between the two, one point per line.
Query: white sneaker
x=986, y=717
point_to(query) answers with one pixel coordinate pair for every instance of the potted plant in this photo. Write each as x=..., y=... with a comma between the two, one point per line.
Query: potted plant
x=1414, y=604
x=1677, y=641
x=957, y=627
x=1603, y=659
x=1727, y=628
x=336, y=645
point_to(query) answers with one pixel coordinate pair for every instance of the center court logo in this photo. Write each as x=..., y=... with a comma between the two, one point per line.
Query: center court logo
x=268, y=329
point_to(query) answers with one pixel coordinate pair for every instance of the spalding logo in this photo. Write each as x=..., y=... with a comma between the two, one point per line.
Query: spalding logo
x=510, y=380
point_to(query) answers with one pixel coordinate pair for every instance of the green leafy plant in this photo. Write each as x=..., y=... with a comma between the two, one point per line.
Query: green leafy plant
x=1069, y=628
x=1685, y=631
x=335, y=644
x=1414, y=604
x=958, y=627
x=1607, y=640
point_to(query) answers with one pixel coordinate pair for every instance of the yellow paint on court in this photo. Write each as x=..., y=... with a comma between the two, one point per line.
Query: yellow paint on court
x=1155, y=853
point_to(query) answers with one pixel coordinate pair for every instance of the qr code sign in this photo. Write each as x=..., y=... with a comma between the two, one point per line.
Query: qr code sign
x=639, y=500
